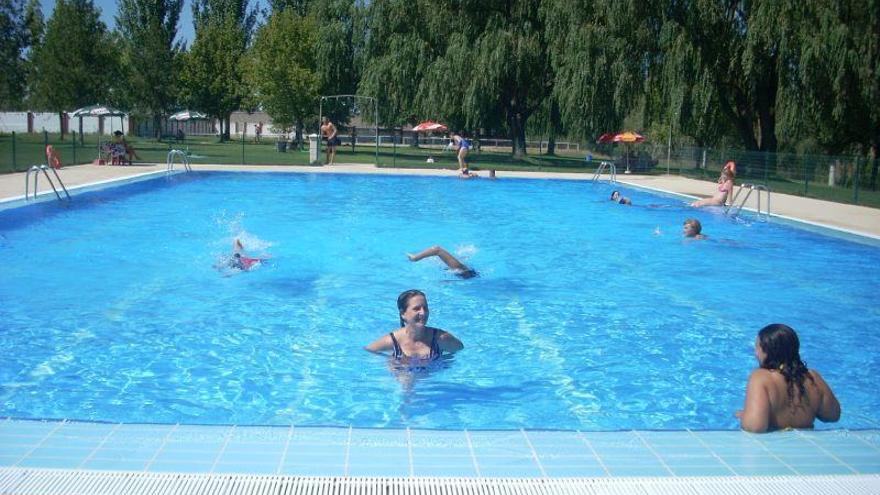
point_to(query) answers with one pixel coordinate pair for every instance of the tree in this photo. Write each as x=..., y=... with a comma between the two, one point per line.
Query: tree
x=839, y=74
x=281, y=69
x=336, y=44
x=77, y=61
x=13, y=41
x=150, y=53
x=213, y=72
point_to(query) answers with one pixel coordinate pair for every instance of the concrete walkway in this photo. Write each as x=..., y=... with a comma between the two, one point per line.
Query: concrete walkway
x=850, y=218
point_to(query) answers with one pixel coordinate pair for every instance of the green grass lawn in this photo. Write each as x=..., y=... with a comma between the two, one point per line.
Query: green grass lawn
x=25, y=150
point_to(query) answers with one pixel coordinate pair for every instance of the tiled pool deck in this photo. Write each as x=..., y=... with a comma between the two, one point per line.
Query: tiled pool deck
x=312, y=451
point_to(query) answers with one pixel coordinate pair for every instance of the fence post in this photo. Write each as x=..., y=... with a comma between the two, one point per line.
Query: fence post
x=74, y=147
x=856, y=182
x=45, y=138
x=14, y=167
x=806, y=178
x=242, y=148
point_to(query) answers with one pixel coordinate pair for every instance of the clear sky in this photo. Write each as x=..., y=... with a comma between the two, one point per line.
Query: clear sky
x=108, y=15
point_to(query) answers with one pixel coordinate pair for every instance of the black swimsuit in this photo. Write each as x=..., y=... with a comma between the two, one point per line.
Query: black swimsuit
x=397, y=352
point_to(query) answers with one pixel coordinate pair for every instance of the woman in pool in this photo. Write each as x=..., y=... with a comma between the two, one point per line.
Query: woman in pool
x=458, y=268
x=725, y=189
x=782, y=392
x=415, y=341
x=617, y=198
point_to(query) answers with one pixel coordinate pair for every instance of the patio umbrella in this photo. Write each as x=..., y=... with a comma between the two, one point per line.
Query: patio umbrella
x=605, y=138
x=98, y=111
x=622, y=137
x=430, y=126
x=185, y=115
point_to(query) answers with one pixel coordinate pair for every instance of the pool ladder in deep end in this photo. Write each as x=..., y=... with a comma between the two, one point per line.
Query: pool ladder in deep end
x=169, y=162
x=36, y=169
x=603, y=166
x=736, y=207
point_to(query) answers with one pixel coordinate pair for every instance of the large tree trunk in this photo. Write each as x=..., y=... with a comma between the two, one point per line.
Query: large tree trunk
x=157, y=126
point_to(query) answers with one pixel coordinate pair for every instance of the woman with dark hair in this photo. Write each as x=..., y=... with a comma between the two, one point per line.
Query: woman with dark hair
x=415, y=342
x=782, y=392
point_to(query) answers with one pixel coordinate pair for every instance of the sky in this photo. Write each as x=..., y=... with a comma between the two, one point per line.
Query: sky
x=108, y=15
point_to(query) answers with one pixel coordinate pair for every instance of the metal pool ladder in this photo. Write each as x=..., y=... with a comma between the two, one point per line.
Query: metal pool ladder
x=603, y=165
x=36, y=169
x=169, y=162
x=749, y=188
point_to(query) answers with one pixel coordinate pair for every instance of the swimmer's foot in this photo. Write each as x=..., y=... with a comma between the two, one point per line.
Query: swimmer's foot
x=411, y=257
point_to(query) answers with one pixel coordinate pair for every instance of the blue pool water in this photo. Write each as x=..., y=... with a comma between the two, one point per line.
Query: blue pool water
x=584, y=317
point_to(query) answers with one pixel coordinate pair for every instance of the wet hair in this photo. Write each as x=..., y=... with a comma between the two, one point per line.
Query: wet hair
x=782, y=348
x=613, y=193
x=698, y=227
x=403, y=301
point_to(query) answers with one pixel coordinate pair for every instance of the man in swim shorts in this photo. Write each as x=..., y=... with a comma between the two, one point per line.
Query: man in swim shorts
x=328, y=131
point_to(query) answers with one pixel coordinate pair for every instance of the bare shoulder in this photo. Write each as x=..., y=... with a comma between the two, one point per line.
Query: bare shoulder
x=383, y=343
x=761, y=376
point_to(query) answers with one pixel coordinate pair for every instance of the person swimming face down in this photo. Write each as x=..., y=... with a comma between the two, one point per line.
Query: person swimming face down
x=617, y=198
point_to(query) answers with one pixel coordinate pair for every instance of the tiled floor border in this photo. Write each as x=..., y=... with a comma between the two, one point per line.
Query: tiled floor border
x=316, y=451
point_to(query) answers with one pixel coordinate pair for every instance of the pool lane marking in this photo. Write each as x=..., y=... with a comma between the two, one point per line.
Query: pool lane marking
x=161, y=446
x=656, y=454
x=467, y=436
x=712, y=451
x=595, y=454
x=534, y=453
x=226, y=440
x=98, y=447
x=284, y=452
x=347, y=465
x=826, y=451
x=409, y=452
x=41, y=442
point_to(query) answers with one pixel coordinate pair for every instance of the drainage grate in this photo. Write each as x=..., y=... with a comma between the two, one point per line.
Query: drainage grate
x=75, y=482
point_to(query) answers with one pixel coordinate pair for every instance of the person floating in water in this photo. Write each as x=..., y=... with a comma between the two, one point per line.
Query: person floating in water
x=693, y=229
x=415, y=342
x=617, y=198
x=458, y=268
x=782, y=392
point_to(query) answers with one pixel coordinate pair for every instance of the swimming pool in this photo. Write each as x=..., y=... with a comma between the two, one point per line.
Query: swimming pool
x=583, y=316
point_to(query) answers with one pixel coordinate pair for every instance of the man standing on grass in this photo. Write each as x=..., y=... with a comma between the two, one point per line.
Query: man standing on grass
x=328, y=131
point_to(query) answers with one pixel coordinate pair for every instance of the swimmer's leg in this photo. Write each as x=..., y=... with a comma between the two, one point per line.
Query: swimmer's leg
x=444, y=255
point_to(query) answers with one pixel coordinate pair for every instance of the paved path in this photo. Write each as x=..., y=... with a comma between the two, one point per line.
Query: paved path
x=856, y=219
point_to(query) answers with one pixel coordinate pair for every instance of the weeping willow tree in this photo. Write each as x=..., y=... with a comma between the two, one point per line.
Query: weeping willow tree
x=600, y=56
x=838, y=72
x=474, y=64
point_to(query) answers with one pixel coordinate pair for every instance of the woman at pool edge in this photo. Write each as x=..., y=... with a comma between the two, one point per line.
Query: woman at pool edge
x=725, y=189
x=782, y=392
x=415, y=340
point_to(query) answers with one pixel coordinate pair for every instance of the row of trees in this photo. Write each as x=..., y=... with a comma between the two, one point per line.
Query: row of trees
x=762, y=74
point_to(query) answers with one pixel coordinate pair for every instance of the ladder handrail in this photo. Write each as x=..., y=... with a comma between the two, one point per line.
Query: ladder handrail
x=765, y=216
x=169, y=162
x=601, y=168
x=36, y=169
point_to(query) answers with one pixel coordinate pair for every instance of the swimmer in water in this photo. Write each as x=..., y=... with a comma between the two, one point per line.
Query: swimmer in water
x=415, y=342
x=458, y=268
x=617, y=198
x=693, y=229
x=238, y=261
